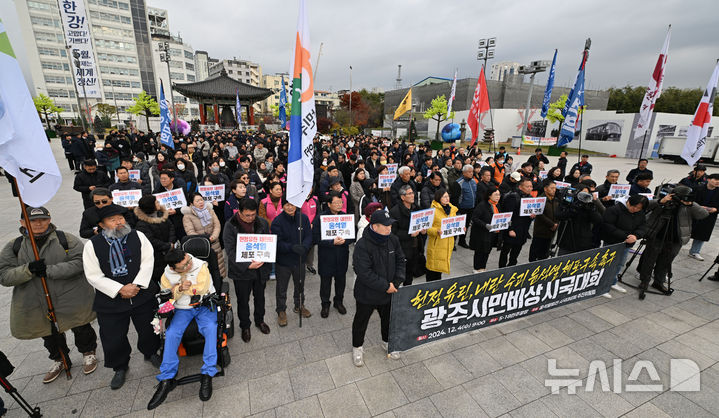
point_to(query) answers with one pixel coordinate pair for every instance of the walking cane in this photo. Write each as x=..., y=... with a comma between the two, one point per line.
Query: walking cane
x=54, y=328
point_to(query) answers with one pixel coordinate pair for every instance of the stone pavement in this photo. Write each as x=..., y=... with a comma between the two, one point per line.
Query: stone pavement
x=496, y=371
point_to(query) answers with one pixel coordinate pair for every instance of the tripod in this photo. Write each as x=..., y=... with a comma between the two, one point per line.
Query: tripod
x=716, y=261
x=10, y=389
x=643, y=244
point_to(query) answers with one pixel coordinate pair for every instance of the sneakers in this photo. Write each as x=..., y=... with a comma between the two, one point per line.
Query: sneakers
x=357, y=354
x=311, y=270
x=696, y=256
x=89, y=362
x=282, y=319
x=273, y=276
x=619, y=288
x=305, y=313
x=393, y=355
x=479, y=271
x=606, y=295
x=53, y=373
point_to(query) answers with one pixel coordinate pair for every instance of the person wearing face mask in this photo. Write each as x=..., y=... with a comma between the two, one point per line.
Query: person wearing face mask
x=214, y=169
x=184, y=171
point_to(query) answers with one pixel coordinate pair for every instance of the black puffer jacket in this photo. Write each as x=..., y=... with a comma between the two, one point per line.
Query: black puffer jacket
x=83, y=181
x=618, y=223
x=161, y=233
x=400, y=228
x=482, y=239
x=335, y=258
x=376, y=264
x=241, y=271
x=520, y=224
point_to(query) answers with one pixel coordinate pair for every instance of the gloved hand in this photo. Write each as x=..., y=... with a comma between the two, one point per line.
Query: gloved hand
x=38, y=268
x=298, y=249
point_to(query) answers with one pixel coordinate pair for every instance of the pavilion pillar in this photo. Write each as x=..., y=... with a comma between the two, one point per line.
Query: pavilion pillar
x=217, y=113
x=251, y=113
x=203, y=115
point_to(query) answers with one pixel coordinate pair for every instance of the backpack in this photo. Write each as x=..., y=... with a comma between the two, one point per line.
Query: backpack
x=60, y=237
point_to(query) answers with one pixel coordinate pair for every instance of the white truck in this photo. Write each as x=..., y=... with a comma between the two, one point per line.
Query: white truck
x=670, y=148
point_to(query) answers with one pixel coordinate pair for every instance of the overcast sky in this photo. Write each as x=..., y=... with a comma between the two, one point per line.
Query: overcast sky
x=435, y=37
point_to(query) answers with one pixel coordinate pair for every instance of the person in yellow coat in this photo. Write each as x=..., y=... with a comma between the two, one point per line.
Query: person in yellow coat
x=439, y=250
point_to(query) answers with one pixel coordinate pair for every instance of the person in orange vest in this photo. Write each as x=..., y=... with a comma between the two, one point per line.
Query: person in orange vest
x=498, y=169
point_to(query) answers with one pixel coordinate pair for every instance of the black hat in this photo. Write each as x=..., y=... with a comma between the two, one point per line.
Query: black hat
x=382, y=217
x=36, y=213
x=110, y=210
x=334, y=180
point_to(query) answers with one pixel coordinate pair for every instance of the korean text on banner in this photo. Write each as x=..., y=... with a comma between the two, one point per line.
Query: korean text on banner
x=392, y=169
x=562, y=184
x=431, y=311
x=214, y=193
x=77, y=36
x=500, y=221
x=618, y=191
x=126, y=198
x=452, y=226
x=385, y=180
x=532, y=206
x=256, y=247
x=421, y=219
x=334, y=226
x=173, y=199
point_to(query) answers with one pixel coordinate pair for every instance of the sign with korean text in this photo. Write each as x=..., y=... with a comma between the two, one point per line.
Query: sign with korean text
x=649, y=196
x=619, y=191
x=256, y=247
x=214, y=193
x=392, y=169
x=333, y=226
x=532, y=206
x=431, y=311
x=500, y=221
x=126, y=198
x=173, y=199
x=421, y=219
x=452, y=226
x=77, y=36
x=543, y=174
x=562, y=184
x=385, y=180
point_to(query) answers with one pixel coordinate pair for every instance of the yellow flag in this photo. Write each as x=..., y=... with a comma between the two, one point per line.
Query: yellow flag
x=405, y=106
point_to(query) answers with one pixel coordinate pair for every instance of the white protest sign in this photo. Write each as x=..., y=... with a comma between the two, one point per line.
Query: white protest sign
x=392, y=169
x=386, y=142
x=561, y=184
x=256, y=247
x=618, y=191
x=173, y=199
x=500, y=221
x=385, y=180
x=333, y=226
x=126, y=198
x=543, y=174
x=214, y=193
x=649, y=196
x=134, y=175
x=532, y=206
x=421, y=219
x=452, y=226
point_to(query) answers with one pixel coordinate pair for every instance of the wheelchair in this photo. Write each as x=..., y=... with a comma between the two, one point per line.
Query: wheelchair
x=193, y=342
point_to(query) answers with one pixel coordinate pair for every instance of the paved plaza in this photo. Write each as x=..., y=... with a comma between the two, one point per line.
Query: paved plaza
x=496, y=371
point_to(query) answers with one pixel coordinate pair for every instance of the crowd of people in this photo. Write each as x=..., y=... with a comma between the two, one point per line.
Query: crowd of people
x=134, y=251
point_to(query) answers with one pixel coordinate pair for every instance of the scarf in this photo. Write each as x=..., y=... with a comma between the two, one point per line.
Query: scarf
x=118, y=266
x=447, y=209
x=203, y=214
x=493, y=206
x=378, y=238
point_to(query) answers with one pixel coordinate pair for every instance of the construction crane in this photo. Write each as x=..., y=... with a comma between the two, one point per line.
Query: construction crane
x=317, y=64
x=398, y=84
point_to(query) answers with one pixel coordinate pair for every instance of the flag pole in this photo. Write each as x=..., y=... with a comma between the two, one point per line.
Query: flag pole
x=641, y=150
x=301, y=269
x=54, y=328
x=581, y=122
x=491, y=120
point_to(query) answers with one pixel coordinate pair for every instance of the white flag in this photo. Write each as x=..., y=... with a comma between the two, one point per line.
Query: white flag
x=698, y=130
x=654, y=90
x=451, y=94
x=24, y=150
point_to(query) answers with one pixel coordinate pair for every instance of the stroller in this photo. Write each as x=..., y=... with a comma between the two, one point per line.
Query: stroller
x=193, y=342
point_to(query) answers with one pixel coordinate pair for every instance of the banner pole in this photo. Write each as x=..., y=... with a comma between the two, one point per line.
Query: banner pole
x=50, y=307
x=641, y=150
x=300, y=270
x=581, y=122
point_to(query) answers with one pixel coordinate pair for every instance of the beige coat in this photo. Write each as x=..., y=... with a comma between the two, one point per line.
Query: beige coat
x=193, y=226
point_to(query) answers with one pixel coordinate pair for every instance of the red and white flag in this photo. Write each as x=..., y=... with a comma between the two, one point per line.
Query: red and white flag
x=698, y=130
x=654, y=90
x=480, y=104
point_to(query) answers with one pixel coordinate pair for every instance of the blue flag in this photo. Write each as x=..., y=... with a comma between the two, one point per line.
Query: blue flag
x=550, y=85
x=238, y=109
x=574, y=102
x=283, y=103
x=165, y=133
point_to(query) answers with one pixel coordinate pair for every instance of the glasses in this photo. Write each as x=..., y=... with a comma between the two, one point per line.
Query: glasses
x=184, y=265
x=103, y=201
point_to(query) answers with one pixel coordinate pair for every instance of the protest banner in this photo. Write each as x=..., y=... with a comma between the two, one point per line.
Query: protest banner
x=500, y=221
x=385, y=180
x=173, y=199
x=256, y=247
x=538, y=141
x=543, y=174
x=617, y=191
x=562, y=184
x=421, y=219
x=214, y=193
x=392, y=169
x=452, y=226
x=532, y=206
x=126, y=198
x=333, y=226
x=431, y=311
x=134, y=175
x=649, y=196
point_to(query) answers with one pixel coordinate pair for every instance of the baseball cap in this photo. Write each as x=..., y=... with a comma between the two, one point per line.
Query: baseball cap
x=515, y=176
x=36, y=213
x=382, y=217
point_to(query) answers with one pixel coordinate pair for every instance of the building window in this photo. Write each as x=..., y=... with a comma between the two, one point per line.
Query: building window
x=190, y=77
x=229, y=71
x=176, y=76
x=189, y=55
x=43, y=21
x=49, y=65
x=189, y=66
x=47, y=51
x=40, y=6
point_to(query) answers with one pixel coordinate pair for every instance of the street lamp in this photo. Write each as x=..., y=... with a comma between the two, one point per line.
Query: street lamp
x=484, y=53
x=350, y=95
x=76, y=56
x=165, y=57
x=532, y=69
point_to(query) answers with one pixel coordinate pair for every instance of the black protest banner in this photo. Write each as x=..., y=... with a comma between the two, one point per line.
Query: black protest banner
x=432, y=311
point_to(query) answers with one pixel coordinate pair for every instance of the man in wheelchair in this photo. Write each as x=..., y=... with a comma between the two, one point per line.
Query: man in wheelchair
x=189, y=281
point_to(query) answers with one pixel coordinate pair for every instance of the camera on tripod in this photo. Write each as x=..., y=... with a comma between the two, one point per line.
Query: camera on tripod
x=574, y=199
x=682, y=195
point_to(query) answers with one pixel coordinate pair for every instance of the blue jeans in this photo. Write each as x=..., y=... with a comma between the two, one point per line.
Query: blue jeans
x=207, y=324
x=621, y=258
x=696, y=246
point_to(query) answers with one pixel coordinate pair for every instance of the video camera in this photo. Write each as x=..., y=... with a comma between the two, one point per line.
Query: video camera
x=682, y=194
x=572, y=198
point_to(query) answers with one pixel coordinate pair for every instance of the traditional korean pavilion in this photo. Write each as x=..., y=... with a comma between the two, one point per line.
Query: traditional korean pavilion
x=219, y=93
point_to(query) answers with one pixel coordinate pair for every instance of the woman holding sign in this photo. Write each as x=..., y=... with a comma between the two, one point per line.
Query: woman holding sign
x=200, y=219
x=485, y=236
x=439, y=250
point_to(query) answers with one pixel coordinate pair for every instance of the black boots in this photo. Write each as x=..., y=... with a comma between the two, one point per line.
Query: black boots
x=163, y=389
x=205, y=388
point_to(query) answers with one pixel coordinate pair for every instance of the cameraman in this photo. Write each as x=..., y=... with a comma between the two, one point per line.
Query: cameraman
x=188, y=279
x=624, y=223
x=670, y=224
x=580, y=213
